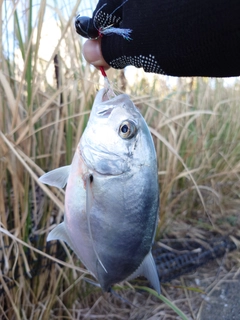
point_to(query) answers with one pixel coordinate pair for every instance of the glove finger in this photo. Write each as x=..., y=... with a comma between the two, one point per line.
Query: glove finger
x=85, y=27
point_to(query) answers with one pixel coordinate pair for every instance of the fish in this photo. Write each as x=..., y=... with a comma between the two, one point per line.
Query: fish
x=112, y=194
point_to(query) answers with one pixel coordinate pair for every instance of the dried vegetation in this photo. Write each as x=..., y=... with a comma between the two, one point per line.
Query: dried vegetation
x=45, y=101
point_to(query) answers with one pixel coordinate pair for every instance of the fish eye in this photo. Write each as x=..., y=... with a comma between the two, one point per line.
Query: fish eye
x=127, y=129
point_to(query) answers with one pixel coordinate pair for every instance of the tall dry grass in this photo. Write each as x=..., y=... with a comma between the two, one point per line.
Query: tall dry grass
x=44, y=107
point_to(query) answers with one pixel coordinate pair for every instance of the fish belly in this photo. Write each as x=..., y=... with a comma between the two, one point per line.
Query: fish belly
x=123, y=220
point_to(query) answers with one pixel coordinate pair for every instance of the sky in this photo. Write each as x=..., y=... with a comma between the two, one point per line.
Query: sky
x=86, y=7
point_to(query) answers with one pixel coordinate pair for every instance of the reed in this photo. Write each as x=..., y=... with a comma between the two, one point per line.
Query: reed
x=44, y=108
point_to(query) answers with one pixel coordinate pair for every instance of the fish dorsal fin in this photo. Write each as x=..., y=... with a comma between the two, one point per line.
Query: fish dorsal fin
x=89, y=203
x=148, y=270
x=57, y=177
x=60, y=233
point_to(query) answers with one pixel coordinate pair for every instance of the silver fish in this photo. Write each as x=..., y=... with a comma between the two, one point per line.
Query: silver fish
x=112, y=195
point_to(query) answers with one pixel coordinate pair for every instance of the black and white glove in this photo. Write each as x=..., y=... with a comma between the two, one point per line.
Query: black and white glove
x=177, y=37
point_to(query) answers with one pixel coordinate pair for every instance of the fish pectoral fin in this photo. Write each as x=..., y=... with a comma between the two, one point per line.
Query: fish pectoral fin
x=60, y=233
x=89, y=203
x=57, y=177
x=148, y=270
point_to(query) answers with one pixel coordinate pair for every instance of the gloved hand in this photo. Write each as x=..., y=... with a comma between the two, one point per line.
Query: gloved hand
x=106, y=16
x=112, y=13
x=92, y=28
x=179, y=38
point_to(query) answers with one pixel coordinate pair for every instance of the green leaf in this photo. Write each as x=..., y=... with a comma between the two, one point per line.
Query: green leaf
x=165, y=300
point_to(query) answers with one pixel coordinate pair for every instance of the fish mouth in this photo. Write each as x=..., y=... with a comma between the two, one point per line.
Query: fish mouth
x=104, y=102
x=104, y=95
x=108, y=91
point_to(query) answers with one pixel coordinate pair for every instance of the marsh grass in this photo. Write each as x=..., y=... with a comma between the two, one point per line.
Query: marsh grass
x=44, y=108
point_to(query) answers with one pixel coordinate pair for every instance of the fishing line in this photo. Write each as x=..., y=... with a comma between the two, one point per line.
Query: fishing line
x=119, y=6
x=108, y=89
x=108, y=30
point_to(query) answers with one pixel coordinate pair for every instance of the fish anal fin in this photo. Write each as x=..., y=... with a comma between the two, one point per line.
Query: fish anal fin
x=148, y=270
x=57, y=177
x=60, y=233
x=94, y=283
